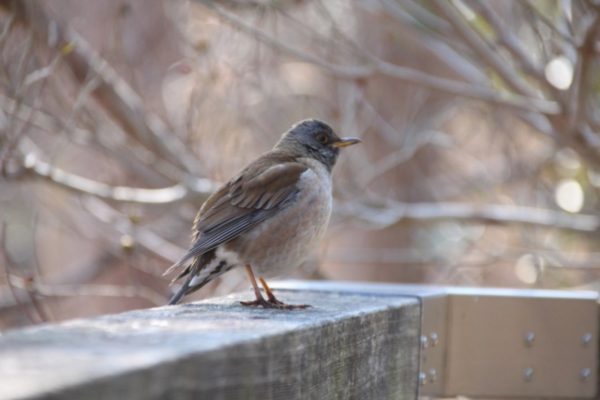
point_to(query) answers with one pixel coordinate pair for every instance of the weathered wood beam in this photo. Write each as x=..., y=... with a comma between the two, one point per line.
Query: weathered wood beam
x=351, y=346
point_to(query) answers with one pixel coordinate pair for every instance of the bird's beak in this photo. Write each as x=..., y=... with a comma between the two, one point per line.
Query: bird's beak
x=345, y=142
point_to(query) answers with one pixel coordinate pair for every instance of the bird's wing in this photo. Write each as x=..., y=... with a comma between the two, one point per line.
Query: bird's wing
x=250, y=198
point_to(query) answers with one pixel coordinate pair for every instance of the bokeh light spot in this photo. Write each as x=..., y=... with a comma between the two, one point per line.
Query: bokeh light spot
x=569, y=195
x=528, y=268
x=559, y=72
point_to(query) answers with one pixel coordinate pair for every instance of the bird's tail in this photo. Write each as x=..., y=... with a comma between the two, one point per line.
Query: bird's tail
x=195, y=273
x=190, y=271
x=176, y=298
x=195, y=278
x=175, y=266
x=187, y=287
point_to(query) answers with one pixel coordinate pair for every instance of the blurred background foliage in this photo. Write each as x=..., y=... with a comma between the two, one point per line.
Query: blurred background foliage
x=480, y=121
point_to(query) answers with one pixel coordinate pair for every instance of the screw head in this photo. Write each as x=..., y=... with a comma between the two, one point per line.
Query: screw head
x=585, y=374
x=586, y=339
x=434, y=338
x=422, y=378
x=528, y=374
x=529, y=339
x=432, y=375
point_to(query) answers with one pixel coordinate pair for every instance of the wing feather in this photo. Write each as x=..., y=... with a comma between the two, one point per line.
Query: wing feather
x=255, y=195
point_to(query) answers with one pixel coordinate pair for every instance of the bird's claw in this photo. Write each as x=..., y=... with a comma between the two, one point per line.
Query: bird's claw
x=273, y=303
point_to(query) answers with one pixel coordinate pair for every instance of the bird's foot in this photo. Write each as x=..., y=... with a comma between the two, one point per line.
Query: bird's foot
x=276, y=302
x=273, y=303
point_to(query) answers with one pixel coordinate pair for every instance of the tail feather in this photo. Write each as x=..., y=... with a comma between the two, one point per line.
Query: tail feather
x=195, y=275
x=186, y=288
x=176, y=298
x=173, y=267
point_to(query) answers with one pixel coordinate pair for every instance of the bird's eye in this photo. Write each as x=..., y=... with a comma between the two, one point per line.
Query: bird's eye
x=322, y=138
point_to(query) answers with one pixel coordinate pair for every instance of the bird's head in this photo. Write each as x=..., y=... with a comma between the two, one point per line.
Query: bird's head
x=314, y=139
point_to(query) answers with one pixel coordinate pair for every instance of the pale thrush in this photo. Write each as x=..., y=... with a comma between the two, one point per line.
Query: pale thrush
x=268, y=217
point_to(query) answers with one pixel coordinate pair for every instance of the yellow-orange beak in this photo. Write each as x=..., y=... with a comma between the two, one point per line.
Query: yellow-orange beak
x=345, y=142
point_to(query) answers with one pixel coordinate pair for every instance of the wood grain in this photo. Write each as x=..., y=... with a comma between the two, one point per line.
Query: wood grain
x=347, y=346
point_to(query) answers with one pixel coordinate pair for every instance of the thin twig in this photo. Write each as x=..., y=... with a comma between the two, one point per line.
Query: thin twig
x=42, y=309
x=127, y=148
x=398, y=157
x=113, y=92
x=128, y=107
x=441, y=40
x=145, y=237
x=542, y=18
x=581, y=80
x=417, y=13
x=100, y=290
x=511, y=43
x=80, y=184
x=145, y=293
x=482, y=48
x=377, y=66
x=484, y=213
x=10, y=281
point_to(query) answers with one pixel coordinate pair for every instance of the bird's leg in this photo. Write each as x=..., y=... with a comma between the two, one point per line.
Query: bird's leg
x=260, y=301
x=277, y=303
x=270, y=295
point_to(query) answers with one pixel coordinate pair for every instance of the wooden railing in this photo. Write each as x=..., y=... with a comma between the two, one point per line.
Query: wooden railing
x=355, y=342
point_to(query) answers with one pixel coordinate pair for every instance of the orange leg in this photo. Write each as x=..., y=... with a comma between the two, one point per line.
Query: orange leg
x=260, y=300
x=270, y=295
x=277, y=303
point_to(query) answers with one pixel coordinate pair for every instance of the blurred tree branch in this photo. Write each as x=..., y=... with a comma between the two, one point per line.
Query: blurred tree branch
x=119, y=99
x=83, y=185
x=397, y=212
x=42, y=170
x=112, y=91
x=378, y=66
x=122, y=224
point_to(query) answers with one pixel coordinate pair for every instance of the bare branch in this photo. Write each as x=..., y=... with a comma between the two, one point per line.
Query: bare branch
x=340, y=71
x=581, y=80
x=512, y=43
x=565, y=36
x=79, y=184
x=398, y=157
x=417, y=12
x=468, y=90
x=550, y=258
x=440, y=41
x=378, y=66
x=126, y=148
x=482, y=48
x=142, y=236
x=113, y=92
x=102, y=291
x=9, y=277
x=128, y=107
x=485, y=213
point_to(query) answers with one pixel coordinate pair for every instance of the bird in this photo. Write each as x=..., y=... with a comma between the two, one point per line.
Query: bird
x=266, y=218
